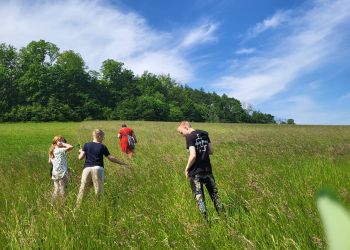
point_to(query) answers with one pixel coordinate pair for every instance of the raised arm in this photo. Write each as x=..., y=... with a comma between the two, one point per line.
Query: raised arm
x=191, y=159
x=67, y=147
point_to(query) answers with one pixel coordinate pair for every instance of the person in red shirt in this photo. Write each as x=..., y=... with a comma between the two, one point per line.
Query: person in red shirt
x=125, y=146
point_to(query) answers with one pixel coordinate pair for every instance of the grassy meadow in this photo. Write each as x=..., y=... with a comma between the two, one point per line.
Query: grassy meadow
x=268, y=177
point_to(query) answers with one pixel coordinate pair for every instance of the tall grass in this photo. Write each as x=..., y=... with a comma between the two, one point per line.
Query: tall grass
x=267, y=177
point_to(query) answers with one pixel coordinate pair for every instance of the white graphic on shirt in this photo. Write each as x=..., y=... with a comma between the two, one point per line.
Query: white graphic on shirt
x=201, y=144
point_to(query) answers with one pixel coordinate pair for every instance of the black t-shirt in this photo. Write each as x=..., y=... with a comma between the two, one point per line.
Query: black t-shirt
x=94, y=153
x=200, y=140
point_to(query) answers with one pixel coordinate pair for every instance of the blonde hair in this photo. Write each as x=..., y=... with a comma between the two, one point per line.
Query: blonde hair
x=185, y=123
x=56, y=139
x=98, y=134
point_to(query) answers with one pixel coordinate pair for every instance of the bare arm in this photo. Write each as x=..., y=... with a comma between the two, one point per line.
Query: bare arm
x=67, y=147
x=115, y=160
x=81, y=154
x=119, y=135
x=210, y=149
x=191, y=159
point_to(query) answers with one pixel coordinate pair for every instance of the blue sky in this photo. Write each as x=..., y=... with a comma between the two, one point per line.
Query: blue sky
x=287, y=58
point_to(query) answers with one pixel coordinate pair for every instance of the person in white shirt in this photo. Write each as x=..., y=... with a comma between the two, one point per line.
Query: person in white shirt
x=58, y=161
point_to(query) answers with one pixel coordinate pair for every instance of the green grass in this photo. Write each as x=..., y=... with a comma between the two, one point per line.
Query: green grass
x=267, y=175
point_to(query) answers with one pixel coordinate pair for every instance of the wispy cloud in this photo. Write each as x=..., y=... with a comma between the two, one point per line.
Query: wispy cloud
x=245, y=51
x=309, y=40
x=98, y=31
x=306, y=110
x=299, y=103
x=201, y=34
x=154, y=62
x=269, y=23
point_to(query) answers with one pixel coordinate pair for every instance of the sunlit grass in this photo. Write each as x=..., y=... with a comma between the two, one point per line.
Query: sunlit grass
x=267, y=176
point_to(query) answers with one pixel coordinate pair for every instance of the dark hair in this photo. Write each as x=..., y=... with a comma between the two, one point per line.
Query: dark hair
x=123, y=125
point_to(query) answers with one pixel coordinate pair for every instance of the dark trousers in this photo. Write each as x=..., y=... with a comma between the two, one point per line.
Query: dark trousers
x=208, y=180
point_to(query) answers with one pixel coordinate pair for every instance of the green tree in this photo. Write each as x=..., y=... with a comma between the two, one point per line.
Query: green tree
x=175, y=113
x=35, y=79
x=73, y=84
x=290, y=121
x=40, y=83
x=258, y=117
x=194, y=111
x=152, y=108
x=8, y=75
x=38, y=52
x=117, y=82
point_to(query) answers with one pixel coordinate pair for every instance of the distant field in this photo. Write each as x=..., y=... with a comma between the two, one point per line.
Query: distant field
x=267, y=175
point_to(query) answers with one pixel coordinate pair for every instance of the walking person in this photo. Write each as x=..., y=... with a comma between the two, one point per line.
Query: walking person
x=127, y=140
x=93, y=173
x=198, y=169
x=59, y=166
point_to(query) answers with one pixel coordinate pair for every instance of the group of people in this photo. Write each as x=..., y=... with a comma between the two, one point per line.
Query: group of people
x=198, y=169
x=93, y=153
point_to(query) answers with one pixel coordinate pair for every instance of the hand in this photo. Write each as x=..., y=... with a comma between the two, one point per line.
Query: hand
x=80, y=150
x=186, y=172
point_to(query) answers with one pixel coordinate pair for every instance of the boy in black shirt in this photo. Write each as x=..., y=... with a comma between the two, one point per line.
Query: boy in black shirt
x=93, y=173
x=198, y=168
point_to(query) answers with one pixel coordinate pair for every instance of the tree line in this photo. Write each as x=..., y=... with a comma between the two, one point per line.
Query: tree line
x=40, y=83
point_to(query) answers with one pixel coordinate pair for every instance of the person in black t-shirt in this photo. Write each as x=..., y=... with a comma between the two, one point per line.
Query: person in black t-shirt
x=198, y=168
x=93, y=173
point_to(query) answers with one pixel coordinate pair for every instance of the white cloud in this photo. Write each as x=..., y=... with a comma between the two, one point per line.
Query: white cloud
x=99, y=31
x=306, y=110
x=300, y=103
x=272, y=22
x=311, y=39
x=174, y=64
x=202, y=34
x=245, y=51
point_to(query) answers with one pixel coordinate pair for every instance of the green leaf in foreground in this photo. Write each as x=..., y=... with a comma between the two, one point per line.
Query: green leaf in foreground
x=336, y=221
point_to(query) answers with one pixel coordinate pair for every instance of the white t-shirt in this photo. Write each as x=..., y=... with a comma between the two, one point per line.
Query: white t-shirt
x=59, y=162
